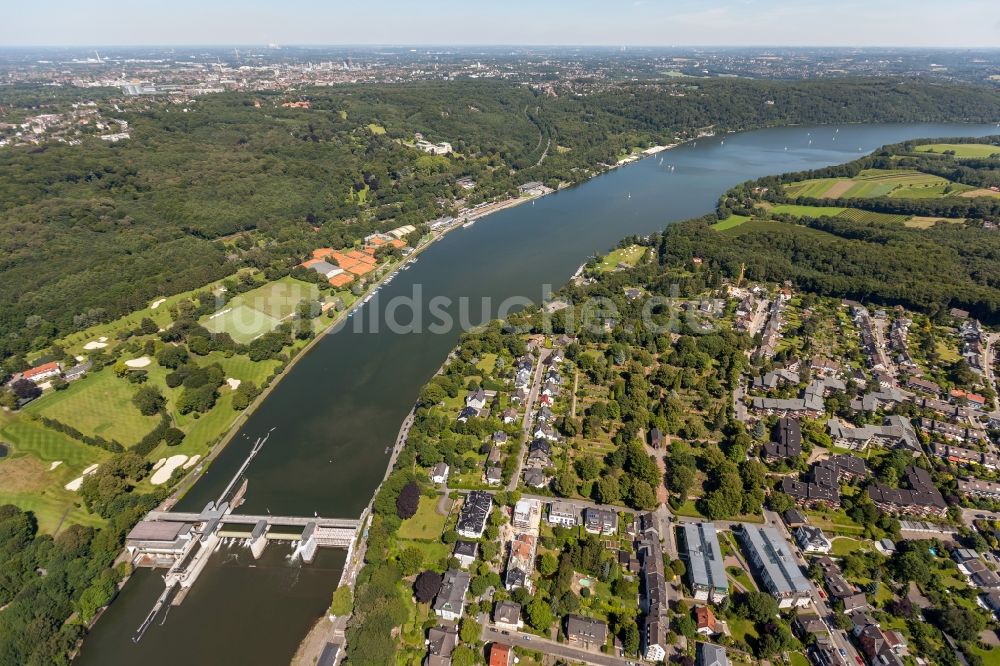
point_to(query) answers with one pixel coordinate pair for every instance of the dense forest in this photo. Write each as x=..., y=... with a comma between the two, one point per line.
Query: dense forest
x=930, y=270
x=90, y=232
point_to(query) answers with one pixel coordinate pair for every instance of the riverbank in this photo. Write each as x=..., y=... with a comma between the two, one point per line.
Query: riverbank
x=188, y=481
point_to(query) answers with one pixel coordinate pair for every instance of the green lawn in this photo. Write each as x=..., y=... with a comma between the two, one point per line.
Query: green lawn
x=425, y=524
x=242, y=322
x=258, y=311
x=27, y=479
x=961, y=149
x=624, y=255
x=99, y=405
x=730, y=222
x=843, y=546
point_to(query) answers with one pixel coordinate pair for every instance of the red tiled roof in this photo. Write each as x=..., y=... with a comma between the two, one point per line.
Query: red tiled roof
x=41, y=369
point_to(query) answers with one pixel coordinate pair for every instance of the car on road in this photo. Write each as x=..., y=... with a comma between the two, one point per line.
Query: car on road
x=843, y=652
x=526, y=637
x=505, y=632
x=822, y=594
x=858, y=659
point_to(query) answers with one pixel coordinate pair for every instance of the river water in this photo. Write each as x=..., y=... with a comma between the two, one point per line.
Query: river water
x=342, y=405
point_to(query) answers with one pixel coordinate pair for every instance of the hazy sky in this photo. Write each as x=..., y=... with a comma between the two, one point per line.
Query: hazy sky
x=593, y=22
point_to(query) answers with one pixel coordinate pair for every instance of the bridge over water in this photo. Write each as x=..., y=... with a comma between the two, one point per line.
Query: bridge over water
x=185, y=541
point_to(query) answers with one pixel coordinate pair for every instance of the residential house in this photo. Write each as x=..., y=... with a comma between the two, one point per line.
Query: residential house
x=441, y=643
x=507, y=616
x=535, y=478
x=710, y=654
x=465, y=552
x=585, y=632
x=439, y=473
x=789, y=444
x=475, y=512
x=600, y=521
x=476, y=400
x=563, y=513
x=526, y=513
x=501, y=655
x=812, y=540
x=493, y=475
x=705, y=621
x=449, y=604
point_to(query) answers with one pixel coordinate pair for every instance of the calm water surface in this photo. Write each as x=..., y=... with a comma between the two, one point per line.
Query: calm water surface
x=341, y=406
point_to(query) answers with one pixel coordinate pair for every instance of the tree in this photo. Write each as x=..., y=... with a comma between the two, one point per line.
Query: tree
x=172, y=356
x=410, y=560
x=25, y=389
x=342, y=601
x=470, y=631
x=408, y=500
x=757, y=606
x=630, y=638
x=548, y=564
x=173, y=436
x=426, y=586
x=148, y=400
x=539, y=614
x=463, y=656
x=641, y=496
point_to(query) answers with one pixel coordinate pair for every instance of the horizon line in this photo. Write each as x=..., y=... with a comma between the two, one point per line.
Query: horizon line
x=467, y=45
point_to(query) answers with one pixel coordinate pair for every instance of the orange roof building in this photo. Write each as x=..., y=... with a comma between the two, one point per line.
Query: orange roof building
x=499, y=655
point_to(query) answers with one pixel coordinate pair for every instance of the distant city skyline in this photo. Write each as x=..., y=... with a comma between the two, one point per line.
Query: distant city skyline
x=913, y=23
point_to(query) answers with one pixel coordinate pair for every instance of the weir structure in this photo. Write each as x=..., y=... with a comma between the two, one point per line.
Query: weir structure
x=183, y=542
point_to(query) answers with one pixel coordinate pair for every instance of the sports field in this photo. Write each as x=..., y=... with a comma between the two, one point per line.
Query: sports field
x=100, y=405
x=259, y=311
x=28, y=480
x=876, y=183
x=961, y=149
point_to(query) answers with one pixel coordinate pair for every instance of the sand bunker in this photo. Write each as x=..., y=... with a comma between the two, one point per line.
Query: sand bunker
x=157, y=303
x=75, y=484
x=233, y=383
x=95, y=345
x=163, y=474
x=159, y=463
x=140, y=362
x=55, y=464
x=190, y=463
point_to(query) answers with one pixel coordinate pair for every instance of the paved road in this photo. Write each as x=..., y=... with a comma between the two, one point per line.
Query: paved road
x=493, y=635
x=529, y=406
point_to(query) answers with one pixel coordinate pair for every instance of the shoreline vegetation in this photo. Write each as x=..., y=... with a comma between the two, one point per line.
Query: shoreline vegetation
x=118, y=492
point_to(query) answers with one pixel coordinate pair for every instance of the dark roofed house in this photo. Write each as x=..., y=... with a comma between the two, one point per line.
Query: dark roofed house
x=585, y=632
x=441, y=643
x=600, y=521
x=921, y=498
x=507, y=615
x=475, y=511
x=450, y=600
x=656, y=438
x=535, y=478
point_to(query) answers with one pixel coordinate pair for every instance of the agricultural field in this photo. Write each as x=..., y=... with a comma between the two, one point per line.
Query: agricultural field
x=259, y=311
x=625, y=255
x=960, y=149
x=730, y=222
x=806, y=211
x=876, y=183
